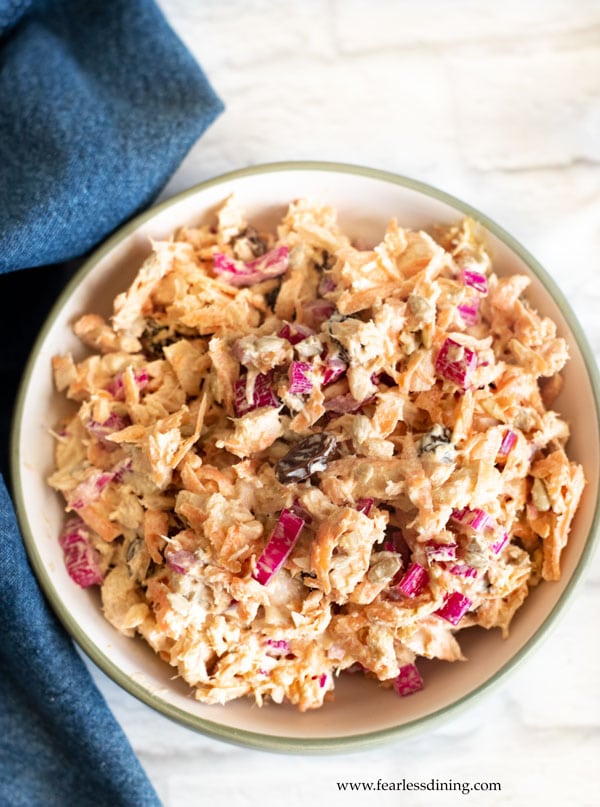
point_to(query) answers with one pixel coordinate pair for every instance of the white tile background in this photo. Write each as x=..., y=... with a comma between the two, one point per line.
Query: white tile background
x=498, y=103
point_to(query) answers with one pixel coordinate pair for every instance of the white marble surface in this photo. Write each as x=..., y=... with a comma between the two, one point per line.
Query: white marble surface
x=498, y=103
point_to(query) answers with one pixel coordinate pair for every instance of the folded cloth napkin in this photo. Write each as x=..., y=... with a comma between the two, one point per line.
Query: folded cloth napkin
x=60, y=744
x=99, y=102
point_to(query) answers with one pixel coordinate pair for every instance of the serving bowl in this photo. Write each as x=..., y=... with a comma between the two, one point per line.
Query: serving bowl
x=362, y=714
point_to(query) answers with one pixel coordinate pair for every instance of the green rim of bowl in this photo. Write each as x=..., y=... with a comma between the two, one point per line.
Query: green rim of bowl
x=252, y=739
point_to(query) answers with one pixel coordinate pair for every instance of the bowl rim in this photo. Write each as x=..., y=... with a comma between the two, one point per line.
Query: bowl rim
x=243, y=737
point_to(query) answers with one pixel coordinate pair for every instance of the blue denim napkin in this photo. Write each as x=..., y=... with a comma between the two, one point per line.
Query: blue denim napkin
x=99, y=103
x=59, y=743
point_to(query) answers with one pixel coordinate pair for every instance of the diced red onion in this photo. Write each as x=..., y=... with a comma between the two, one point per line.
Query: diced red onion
x=299, y=510
x=364, y=505
x=116, y=387
x=475, y=280
x=294, y=332
x=469, y=311
x=455, y=606
x=462, y=570
x=476, y=519
x=326, y=285
x=413, y=581
x=121, y=469
x=299, y=375
x=81, y=558
x=74, y=531
x=238, y=273
x=114, y=423
x=263, y=394
x=180, y=560
x=224, y=265
x=90, y=489
x=499, y=545
x=438, y=551
x=318, y=311
x=344, y=403
x=279, y=546
x=333, y=369
x=455, y=362
x=507, y=444
x=408, y=680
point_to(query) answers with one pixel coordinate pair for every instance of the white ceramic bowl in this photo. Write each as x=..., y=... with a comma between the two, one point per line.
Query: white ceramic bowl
x=363, y=714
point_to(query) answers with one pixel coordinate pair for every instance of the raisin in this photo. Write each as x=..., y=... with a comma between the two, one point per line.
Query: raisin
x=258, y=244
x=438, y=442
x=306, y=458
x=138, y=559
x=132, y=549
x=155, y=337
x=437, y=436
x=309, y=579
x=342, y=351
x=249, y=244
